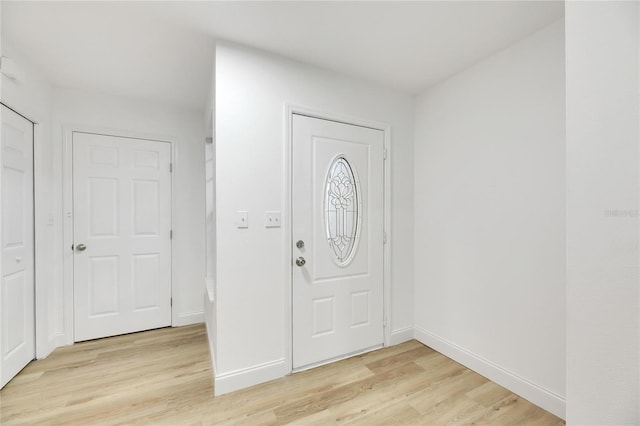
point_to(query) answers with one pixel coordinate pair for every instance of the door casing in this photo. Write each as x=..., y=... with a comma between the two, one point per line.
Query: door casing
x=67, y=193
x=290, y=110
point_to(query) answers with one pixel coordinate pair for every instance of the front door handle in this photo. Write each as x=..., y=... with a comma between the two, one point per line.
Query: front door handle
x=300, y=261
x=81, y=247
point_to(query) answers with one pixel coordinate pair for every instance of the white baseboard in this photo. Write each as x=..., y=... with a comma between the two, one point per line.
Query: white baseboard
x=401, y=335
x=189, y=318
x=57, y=341
x=53, y=342
x=234, y=380
x=544, y=398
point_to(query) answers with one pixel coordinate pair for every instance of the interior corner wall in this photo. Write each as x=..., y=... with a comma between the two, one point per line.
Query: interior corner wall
x=490, y=218
x=185, y=126
x=603, y=171
x=252, y=90
x=32, y=97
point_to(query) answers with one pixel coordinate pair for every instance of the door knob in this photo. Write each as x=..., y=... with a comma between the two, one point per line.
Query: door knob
x=81, y=247
x=300, y=261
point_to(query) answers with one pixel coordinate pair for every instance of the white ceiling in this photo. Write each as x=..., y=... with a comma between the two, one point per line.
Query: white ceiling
x=163, y=51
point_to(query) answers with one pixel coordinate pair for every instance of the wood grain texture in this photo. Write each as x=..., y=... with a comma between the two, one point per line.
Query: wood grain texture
x=163, y=377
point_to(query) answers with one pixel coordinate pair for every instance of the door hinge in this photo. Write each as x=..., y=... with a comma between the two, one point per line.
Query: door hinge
x=384, y=237
x=171, y=234
x=384, y=153
x=171, y=301
x=170, y=167
x=384, y=322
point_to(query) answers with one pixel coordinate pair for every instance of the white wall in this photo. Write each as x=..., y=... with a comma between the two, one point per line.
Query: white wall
x=182, y=125
x=32, y=97
x=603, y=328
x=490, y=218
x=253, y=264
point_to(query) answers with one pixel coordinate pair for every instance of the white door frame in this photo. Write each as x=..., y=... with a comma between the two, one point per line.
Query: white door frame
x=67, y=197
x=290, y=110
x=40, y=213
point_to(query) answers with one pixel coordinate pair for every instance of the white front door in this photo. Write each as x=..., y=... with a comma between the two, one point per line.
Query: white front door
x=17, y=339
x=121, y=229
x=337, y=239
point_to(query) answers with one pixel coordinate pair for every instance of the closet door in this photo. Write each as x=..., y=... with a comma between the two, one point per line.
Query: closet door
x=17, y=333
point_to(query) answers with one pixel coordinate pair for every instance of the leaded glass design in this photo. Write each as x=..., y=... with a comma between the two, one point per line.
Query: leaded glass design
x=342, y=211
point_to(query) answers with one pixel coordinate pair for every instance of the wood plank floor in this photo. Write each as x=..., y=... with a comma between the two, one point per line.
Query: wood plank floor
x=164, y=377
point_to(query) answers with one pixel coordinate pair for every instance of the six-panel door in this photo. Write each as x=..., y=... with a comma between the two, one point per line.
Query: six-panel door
x=337, y=239
x=17, y=333
x=122, y=224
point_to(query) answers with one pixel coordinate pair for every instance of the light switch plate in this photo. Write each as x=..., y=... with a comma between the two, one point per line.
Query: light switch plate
x=272, y=219
x=242, y=219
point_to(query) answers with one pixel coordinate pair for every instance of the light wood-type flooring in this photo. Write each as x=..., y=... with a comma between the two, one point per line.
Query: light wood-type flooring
x=163, y=377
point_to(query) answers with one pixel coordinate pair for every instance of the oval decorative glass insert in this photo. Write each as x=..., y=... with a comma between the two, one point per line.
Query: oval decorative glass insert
x=342, y=211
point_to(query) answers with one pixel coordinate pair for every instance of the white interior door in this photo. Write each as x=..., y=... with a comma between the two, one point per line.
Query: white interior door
x=17, y=340
x=121, y=228
x=337, y=239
